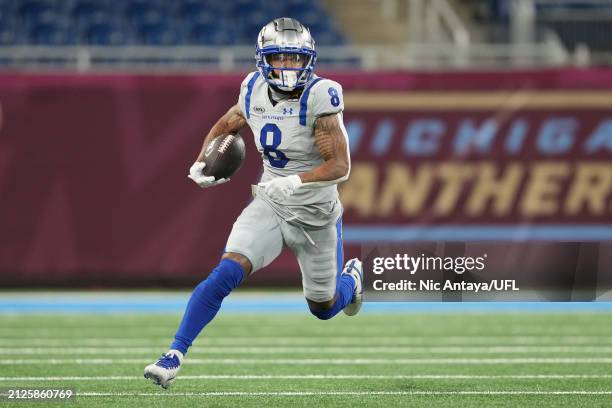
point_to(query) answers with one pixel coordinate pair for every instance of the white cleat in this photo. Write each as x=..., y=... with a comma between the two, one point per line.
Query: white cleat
x=353, y=268
x=165, y=369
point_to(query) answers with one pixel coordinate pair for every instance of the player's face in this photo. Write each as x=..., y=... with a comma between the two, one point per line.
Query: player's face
x=286, y=60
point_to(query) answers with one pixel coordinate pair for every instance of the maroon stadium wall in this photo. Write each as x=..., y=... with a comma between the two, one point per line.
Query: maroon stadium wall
x=93, y=186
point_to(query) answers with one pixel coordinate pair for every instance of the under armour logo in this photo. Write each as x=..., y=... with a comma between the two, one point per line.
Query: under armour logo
x=287, y=111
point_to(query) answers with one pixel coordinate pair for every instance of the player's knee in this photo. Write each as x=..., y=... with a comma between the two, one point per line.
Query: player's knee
x=322, y=310
x=219, y=283
x=242, y=260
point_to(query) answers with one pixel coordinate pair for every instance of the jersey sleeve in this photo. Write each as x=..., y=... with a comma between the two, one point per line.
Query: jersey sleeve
x=326, y=99
x=243, y=91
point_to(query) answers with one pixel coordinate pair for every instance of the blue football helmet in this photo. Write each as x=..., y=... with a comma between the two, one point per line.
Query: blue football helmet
x=285, y=54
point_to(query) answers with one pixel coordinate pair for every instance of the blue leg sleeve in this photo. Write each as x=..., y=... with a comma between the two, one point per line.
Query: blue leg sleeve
x=345, y=286
x=205, y=302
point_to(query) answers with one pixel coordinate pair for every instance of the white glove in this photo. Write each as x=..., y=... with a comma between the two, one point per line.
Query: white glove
x=281, y=188
x=195, y=173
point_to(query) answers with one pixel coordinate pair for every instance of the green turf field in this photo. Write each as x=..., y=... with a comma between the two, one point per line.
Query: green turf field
x=294, y=360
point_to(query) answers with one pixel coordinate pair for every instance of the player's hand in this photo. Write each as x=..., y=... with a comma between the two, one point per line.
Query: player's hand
x=195, y=173
x=281, y=188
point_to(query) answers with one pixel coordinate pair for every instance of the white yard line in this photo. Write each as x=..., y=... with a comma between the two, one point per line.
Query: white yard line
x=313, y=340
x=315, y=331
x=322, y=361
x=322, y=350
x=333, y=393
x=329, y=377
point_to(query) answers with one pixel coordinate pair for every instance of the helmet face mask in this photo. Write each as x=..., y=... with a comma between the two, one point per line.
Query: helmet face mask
x=285, y=54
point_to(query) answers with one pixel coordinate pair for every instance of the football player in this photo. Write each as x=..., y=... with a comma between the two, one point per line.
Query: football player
x=296, y=118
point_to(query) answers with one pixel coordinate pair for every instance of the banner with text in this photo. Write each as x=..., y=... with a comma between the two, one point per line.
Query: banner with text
x=93, y=186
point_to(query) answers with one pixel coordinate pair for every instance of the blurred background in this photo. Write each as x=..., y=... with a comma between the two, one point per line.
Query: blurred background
x=469, y=120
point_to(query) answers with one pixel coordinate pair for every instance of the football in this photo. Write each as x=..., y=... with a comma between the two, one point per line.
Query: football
x=224, y=155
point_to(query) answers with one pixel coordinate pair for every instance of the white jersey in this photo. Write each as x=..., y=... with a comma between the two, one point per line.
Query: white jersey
x=284, y=136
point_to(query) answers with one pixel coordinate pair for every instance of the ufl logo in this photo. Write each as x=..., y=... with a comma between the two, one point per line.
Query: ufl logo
x=287, y=111
x=259, y=109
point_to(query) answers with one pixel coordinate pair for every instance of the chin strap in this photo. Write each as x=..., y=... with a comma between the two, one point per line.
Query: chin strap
x=278, y=95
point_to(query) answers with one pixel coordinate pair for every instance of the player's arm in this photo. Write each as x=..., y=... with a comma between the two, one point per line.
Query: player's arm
x=231, y=122
x=331, y=140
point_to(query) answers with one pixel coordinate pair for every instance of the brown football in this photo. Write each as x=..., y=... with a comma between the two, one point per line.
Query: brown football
x=224, y=155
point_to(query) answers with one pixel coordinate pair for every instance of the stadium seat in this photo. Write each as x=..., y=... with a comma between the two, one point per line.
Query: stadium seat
x=158, y=34
x=10, y=35
x=106, y=34
x=202, y=17
x=297, y=3
x=87, y=9
x=169, y=22
x=205, y=36
x=193, y=8
x=51, y=34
